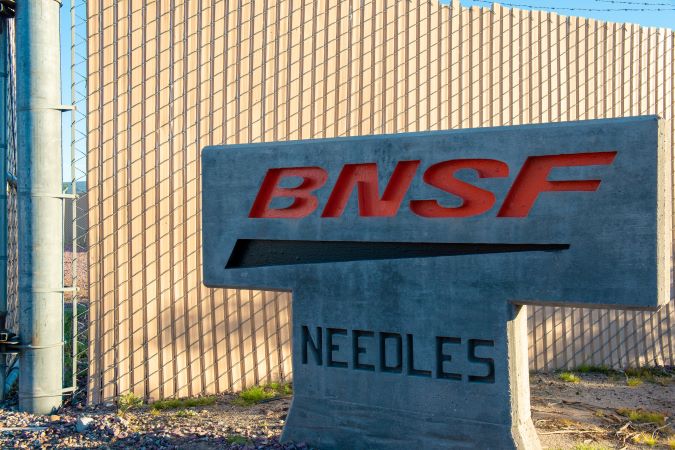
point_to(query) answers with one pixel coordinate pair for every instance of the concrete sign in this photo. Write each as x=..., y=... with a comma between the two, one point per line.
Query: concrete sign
x=409, y=257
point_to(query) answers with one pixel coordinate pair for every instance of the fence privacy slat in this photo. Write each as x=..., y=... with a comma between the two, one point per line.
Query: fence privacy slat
x=167, y=78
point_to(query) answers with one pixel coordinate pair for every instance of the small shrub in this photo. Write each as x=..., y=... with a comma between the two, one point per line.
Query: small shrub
x=82, y=339
x=177, y=403
x=657, y=375
x=569, y=377
x=645, y=372
x=185, y=413
x=671, y=442
x=258, y=394
x=645, y=439
x=633, y=382
x=281, y=388
x=568, y=423
x=127, y=402
x=590, y=447
x=237, y=439
x=253, y=395
x=663, y=381
x=640, y=416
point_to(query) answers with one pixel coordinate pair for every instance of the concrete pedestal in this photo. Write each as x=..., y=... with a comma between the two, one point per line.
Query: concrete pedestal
x=387, y=366
x=406, y=253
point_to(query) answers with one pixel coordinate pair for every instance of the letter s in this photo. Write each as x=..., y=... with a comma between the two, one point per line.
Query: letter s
x=475, y=200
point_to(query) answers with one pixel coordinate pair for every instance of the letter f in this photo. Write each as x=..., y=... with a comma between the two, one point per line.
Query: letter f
x=533, y=180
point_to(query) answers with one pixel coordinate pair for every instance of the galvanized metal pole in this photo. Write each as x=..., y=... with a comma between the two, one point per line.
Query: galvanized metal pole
x=4, y=141
x=39, y=205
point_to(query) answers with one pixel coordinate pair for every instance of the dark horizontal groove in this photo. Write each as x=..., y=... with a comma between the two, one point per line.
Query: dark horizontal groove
x=266, y=252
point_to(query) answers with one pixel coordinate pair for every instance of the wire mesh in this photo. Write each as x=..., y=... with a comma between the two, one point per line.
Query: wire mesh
x=12, y=322
x=12, y=275
x=76, y=213
x=170, y=77
x=75, y=224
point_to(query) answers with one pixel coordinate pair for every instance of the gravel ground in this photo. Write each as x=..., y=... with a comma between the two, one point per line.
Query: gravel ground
x=567, y=416
x=219, y=426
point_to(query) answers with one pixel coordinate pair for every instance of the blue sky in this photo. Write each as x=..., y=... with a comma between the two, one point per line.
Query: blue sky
x=651, y=13
x=65, y=86
x=656, y=13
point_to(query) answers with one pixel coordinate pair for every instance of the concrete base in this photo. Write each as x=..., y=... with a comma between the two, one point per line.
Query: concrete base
x=365, y=377
x=333, y=424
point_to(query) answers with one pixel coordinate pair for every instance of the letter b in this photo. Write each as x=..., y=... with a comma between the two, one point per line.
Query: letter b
x=304, y=203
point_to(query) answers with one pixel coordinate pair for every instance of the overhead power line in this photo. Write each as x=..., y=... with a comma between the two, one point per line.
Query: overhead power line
x=566, y=8
x=624, y=2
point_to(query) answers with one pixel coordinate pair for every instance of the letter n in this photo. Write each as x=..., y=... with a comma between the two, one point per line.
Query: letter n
x=364, y=177
x=309, y=343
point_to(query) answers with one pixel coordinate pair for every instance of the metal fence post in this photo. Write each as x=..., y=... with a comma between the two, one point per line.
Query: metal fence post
x=40, y=206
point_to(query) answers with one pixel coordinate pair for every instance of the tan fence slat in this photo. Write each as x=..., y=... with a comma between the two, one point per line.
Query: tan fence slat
x=167, y=78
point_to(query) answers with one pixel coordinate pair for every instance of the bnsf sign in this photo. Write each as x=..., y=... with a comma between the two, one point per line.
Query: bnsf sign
x=531, y=181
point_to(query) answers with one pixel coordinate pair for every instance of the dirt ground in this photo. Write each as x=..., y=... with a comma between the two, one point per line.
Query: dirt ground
x=593, y=411
x=82, y=273
x=590, y=414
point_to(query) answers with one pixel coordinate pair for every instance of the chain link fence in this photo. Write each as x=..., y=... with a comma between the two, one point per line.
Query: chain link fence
x=76, y=212
x=75, y=209
x=167, y=78
x=12, y=320
x=176, y=338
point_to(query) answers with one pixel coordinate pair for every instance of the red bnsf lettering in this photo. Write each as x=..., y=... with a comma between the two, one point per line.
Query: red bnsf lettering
x=529, y=184
x=533, y=180
x=364, y=178
x=304, y=203
x=475, y=200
